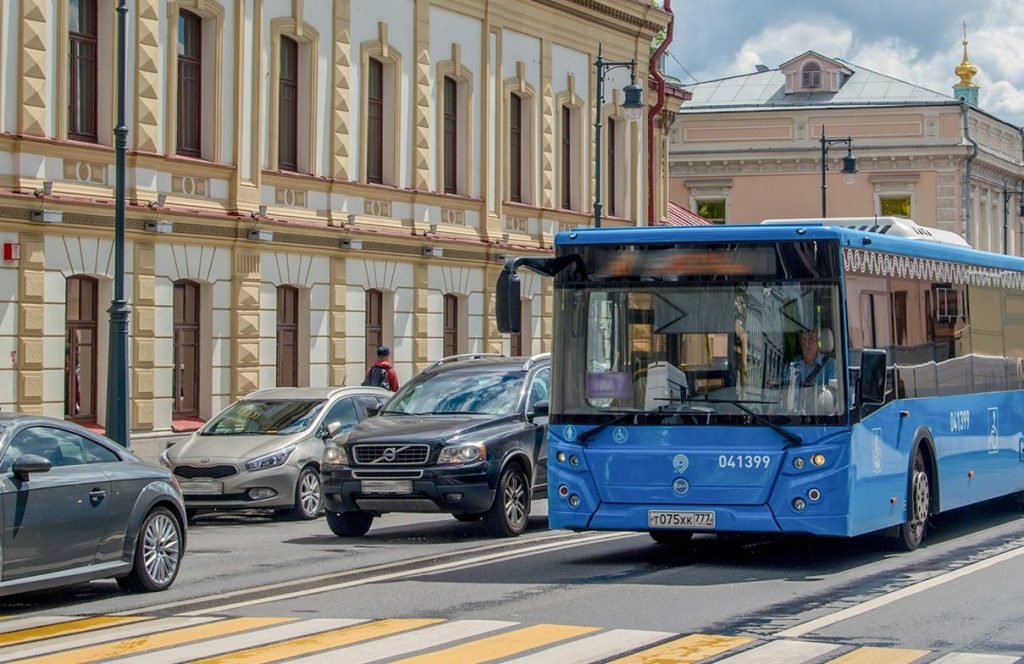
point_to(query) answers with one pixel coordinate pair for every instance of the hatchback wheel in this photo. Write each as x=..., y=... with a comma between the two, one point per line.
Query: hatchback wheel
x=349, y=524
x=309, y=497
x=511, y=509
x=157, y=554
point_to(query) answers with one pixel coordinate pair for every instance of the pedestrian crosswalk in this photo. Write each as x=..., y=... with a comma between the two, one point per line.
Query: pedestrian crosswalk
x=255, y=640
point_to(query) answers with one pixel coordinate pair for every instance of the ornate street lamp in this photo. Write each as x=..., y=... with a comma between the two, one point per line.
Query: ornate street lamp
x=632, y=108
x=849, y=163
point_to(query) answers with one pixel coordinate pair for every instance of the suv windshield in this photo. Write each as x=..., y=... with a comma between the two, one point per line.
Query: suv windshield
x=256, y=417
x=482, y=392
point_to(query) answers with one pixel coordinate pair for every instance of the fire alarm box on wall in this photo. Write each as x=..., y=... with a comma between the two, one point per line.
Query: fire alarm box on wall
x=12, y=251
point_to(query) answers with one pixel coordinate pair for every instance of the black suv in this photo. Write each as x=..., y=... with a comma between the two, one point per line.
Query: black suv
x=461, y=437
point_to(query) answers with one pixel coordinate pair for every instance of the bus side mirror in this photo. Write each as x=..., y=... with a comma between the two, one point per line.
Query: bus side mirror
x=508, y=302
x=872, y=376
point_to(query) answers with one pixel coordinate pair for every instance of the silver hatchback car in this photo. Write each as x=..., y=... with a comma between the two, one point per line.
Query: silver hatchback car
x=263, y=451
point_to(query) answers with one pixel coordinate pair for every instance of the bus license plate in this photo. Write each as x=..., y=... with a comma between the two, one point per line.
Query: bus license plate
x=387, y=486
x=697, y=520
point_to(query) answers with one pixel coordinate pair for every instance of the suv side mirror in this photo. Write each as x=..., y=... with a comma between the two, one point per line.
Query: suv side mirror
x=872, y=376
x=540, y=409
x=27, y=464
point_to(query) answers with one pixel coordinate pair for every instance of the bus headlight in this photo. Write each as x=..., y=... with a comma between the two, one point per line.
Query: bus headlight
x=818, y=459
x=799, y=504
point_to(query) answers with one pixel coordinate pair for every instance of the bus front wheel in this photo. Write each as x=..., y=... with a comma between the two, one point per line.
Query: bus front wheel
x=912, y=532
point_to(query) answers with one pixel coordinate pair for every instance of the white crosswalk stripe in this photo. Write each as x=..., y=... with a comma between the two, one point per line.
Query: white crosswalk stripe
x=782, y=652
x=595, y=648
x=32, y=622
x=404, y=644
x=975, y=658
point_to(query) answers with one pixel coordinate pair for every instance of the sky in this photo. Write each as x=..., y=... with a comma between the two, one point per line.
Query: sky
x=918, y=41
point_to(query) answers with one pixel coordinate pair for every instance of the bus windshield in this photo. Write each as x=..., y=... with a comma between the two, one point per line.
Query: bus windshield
x=703, y=349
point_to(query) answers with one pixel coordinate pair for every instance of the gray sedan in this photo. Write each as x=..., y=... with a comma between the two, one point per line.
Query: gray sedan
x=77, y=507
x=263, y=451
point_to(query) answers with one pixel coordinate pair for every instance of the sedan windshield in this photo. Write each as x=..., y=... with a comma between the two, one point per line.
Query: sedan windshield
x=262, y=417
x=478, y=392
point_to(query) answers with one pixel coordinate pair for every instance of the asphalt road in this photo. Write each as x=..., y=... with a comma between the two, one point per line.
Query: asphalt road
x=808, y=599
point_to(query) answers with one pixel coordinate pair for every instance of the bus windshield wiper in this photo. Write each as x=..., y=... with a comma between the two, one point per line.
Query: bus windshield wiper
x=788, y=435
x=618, y=419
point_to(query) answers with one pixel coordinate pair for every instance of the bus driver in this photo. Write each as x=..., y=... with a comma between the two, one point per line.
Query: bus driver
x=814, y=366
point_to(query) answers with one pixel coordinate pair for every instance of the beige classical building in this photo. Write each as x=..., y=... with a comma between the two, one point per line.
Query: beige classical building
x=305, y=181
x=747, y=148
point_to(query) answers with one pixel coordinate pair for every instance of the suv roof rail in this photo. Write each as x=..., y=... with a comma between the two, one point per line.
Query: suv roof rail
x=461, y=356
x=534, y=359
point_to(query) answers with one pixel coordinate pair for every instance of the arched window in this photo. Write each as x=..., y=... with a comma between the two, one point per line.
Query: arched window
x=186, y=349
x=811, y=75
x=80, y=349
x=374, y=324
x=287, y=336
x=451, y=325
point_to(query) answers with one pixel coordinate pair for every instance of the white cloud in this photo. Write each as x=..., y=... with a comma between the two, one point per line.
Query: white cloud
x=778, y=44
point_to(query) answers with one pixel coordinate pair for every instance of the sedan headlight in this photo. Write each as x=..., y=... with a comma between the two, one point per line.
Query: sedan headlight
x=335, y=456
x=470, y=453
x=270, y=460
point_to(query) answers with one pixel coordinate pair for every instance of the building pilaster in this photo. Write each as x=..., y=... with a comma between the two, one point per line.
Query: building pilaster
x=146, y=132
x=341, y=73
x=143, y=333
x=421, y=318
x=31, y=280
x=421, y=152
x=493, y=341
x=32, y=86
x=245, y=351
x=547, y=129
x=339, y=307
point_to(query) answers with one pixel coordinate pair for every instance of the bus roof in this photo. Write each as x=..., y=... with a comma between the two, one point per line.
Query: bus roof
x=795, y=229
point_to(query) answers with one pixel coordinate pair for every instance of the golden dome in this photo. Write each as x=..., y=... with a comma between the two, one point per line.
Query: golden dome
x=966, y=69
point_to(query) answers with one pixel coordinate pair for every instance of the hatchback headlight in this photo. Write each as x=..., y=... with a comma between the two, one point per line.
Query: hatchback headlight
x=270, y=460
x=335, y=456
x=462, y=453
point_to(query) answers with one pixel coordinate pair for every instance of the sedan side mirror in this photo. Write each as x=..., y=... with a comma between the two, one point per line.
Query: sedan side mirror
x=328, y=432
x=373, y=409
x=27, y=464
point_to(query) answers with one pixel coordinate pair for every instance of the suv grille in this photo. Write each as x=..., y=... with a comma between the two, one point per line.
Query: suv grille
x=391, y=454
x=216, y=472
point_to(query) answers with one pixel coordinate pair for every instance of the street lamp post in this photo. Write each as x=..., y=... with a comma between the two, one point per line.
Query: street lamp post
x=117, y=361
x=1006, y=214
x=849, y=162
x=632, y=106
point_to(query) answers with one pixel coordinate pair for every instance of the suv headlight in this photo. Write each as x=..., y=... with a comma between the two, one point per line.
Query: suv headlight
x=335, y=456
x=270, y=460
x=468, y=453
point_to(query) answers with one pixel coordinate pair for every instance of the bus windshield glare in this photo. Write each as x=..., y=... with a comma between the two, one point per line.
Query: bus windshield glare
x=710, y=335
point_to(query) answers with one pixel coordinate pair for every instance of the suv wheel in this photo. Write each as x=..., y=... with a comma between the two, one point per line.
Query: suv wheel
x=349, y=524
x=511, y=509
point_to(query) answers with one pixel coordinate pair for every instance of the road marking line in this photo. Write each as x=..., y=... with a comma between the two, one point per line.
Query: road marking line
x=339, y=575
x=878, y=602
x=687, y=650
x=65, y=627
x=319, y=642
x=782, y=652
x=595, y=648
x=48, y=646
x=155, y=641
x=869, y=655
x=457, y=564
x=33, y=621
x=246, y=640
x=973, y=658
x=403, y=644
x=501, y=645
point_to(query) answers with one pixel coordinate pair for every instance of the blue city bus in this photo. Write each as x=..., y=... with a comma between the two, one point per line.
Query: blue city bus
x=682, y=400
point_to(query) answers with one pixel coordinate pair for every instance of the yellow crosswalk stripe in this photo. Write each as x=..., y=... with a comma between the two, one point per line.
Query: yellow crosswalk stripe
x=318, y=642
x=501, y=645
x=62, y=628
x=869, y=655
x=154, y=641
x=689, y=649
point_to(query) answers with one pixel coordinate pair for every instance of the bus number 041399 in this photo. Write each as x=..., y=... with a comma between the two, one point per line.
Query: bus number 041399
x=743, y=460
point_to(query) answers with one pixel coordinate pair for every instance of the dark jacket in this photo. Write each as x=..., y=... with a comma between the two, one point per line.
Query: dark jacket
x=392, y=374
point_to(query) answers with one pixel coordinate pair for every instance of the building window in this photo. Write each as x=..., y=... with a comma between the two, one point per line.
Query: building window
x=288, y=106
x=375, y=122
x=186, y=349
x=713, y=211
x=566, y=152
x=451, y=325
x=811, y=75
x=895, y=207
x=190, y=65
x=82, y=55
x=612, y=167
x=374, y=324
x=515, y=148
x=287, y=336
x=80, y=349
x=451, y=135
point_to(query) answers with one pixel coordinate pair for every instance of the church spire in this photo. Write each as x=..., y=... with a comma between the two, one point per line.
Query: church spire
x=966, y=88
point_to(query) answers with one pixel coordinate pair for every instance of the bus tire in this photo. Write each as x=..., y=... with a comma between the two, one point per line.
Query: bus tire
x=919, y=497
x=671, y=537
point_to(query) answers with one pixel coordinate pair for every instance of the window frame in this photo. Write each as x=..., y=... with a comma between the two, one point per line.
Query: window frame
x=515, y=149
x=451, y=320
x=288, y=105
x=91, y=324
x=375, y=101
x=76, y=41
x=812, y=75
x=374, y=323
x=189, y=63
x=450, y=133
x=565, y=157
x=287, y=322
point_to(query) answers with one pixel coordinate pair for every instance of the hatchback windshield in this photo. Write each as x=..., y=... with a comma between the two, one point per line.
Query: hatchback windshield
x=478, y=392
x=256, y=417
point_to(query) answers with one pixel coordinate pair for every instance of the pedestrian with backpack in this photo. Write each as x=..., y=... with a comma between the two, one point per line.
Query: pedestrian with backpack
x=382, y=373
